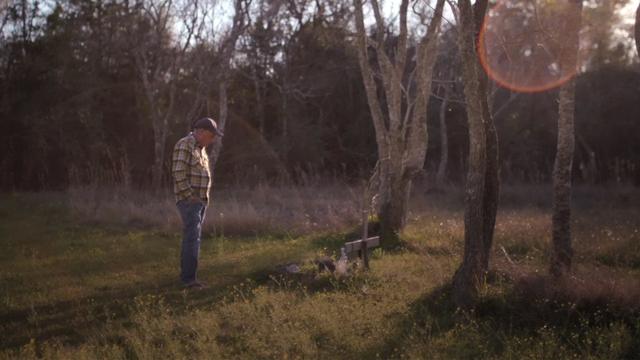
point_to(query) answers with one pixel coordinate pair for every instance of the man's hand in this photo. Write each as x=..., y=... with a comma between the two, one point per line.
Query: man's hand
x=195, y=199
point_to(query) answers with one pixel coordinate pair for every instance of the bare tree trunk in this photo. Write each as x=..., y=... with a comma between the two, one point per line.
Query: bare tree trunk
x=491, y=189
x=471, y=272
x=393, y=209
x=154, y=67
x=160, y=139
x=257, y=84
x=401, y=128
x=226, y=51
x=284, y=108
x=444, y=139
x=492, y=174
x=590, y=170
x=125, y=170
x=223, y=103
x=637, y=29
x=483, y=177
x=561, y=217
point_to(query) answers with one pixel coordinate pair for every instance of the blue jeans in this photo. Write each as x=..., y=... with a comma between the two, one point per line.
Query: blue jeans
x=192, y=214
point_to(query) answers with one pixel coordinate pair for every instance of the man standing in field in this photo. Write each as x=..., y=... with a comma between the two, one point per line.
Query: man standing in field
x=191, y=186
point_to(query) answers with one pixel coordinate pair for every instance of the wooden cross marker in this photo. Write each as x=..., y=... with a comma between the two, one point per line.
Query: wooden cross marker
x=363, y=245
x=360, y=246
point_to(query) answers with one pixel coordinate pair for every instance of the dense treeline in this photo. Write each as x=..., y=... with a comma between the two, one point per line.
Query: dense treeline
x=84, y=85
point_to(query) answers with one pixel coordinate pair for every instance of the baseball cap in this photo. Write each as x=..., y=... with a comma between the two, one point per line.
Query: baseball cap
x=207, y=124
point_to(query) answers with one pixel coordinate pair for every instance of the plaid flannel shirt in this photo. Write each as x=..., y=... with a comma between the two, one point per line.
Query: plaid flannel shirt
x=190, y=170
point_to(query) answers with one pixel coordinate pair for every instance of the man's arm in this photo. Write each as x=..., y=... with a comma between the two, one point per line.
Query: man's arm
x=180, y=165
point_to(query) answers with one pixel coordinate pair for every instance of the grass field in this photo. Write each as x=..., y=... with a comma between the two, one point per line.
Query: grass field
x=92, y=273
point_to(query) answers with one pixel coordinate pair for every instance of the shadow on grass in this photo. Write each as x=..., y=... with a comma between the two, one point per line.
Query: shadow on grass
x=72, y=322
x=524, y=308
x=434, y=309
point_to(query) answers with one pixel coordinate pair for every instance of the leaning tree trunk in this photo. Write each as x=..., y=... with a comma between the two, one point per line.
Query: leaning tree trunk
x=481, y=191
x=561, y=212
x=492, y=173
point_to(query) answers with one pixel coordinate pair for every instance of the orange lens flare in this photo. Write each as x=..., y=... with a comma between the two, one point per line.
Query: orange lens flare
x=528, y=45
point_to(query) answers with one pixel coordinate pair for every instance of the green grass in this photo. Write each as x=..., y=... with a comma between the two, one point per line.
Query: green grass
x=76, y=289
